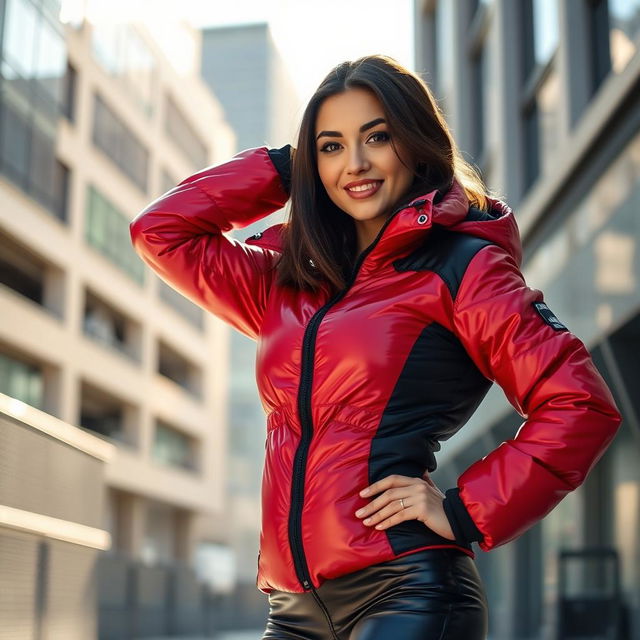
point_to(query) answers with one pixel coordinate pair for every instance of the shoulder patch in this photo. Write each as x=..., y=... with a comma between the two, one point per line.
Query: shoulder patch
x=548, y=316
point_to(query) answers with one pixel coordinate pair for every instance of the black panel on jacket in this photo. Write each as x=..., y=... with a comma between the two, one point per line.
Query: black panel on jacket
x=462, y=525
x=437, y=391
x=281, y=159
x=478, y=215
x=446, y=253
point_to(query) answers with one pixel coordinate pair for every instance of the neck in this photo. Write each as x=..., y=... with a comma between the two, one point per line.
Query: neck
x=366, y=232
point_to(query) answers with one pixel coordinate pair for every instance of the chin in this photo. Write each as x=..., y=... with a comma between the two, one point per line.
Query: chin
x=368, y=216
x=366, y=211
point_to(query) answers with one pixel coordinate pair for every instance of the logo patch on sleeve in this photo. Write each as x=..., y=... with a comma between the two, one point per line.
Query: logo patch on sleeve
x=548, y=316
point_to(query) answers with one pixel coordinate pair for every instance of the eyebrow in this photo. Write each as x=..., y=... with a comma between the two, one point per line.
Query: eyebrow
x=364, y=127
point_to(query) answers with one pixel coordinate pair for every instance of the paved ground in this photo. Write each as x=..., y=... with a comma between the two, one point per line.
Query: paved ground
x=239, y=635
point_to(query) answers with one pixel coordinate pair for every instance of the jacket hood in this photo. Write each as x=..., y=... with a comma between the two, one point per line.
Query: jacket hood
x=497, y=225
x=408, y=227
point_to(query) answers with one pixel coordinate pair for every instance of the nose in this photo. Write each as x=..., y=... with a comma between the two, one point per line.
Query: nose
x=358, y=161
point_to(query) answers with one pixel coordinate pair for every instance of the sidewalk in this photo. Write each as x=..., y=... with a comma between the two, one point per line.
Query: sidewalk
x=235, y=635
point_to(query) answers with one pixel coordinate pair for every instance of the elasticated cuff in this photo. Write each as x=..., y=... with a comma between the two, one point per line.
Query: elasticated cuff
x=461, y=523
x=281, y=159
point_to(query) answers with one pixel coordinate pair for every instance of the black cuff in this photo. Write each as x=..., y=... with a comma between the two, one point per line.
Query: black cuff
x=463, y=527
x=281, y=159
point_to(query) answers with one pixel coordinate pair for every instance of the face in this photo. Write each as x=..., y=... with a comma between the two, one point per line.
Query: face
x=357, y=163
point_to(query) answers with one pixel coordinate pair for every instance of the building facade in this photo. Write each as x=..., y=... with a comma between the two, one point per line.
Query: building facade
x=543, y=96
x=95, y=123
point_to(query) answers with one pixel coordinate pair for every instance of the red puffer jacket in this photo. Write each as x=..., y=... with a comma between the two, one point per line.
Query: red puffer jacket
x=366, y=383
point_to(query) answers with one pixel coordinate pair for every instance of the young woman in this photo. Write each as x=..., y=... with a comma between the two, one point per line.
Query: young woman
x=383, y=311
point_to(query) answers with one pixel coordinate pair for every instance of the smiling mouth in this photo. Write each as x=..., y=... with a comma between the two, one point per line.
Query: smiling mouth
x=365, y=189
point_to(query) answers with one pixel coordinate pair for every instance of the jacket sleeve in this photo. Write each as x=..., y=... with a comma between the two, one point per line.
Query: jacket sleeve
x=548, y=376
x=181, y=237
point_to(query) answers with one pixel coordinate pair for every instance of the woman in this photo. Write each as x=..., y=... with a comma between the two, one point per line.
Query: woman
x=383, y=311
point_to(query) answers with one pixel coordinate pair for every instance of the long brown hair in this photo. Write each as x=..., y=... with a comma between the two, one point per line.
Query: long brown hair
x=319, y=238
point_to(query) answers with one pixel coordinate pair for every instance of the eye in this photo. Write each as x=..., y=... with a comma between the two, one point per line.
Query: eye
x=379, y=136
x=328, y=147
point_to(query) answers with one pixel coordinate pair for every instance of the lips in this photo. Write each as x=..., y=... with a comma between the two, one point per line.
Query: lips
x=363, y=188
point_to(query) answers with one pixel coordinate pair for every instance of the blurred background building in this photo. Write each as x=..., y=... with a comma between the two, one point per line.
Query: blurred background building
x=244, y=69
x=544, y=97
x=95, y=122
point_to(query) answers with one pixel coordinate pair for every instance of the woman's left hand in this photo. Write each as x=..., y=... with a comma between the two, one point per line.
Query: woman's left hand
x=421, y=498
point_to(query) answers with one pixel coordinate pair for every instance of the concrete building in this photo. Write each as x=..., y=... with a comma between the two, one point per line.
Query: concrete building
x=95, y=122
x=244, y=70
x=544, y=97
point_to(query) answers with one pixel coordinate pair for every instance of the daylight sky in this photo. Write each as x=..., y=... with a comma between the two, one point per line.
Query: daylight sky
x=312, y=35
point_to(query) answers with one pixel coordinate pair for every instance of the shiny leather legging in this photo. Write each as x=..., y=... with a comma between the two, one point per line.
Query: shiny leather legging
x=434, y=594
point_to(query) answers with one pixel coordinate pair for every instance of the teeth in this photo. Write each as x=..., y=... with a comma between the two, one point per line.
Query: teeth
x=363, y=187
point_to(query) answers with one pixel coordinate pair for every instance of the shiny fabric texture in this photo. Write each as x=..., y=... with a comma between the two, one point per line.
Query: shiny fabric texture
x=435, y=594
x=366, y=383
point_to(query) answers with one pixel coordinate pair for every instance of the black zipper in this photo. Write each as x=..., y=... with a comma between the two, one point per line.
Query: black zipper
x=304, y=410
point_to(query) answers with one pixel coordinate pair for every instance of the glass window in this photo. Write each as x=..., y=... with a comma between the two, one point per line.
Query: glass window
x=51, y=62
x=530, y=151
x=52, y=7
x=15, y=136
x=105, y=324
x=624, y=27
x=107, y=230
x=102, y=414
x=480, y=83
x=548, y=103
x=545, y=30
x=105, y=129
x=21, y=271
x=444, y=63
x=625, y=348
x=27, y=154
x=124, y=55
x=43, y=159
x=107, y=46
x=119, y=143
x=587, y=266
x=139, y=71
x=478, y=4
x=34, y=57
x=614, y=27
x=21, y=380
x=69, y=93
x=184, y=135
x=626, y=498
x=48, y=176
x=172, y=447
x=19, y=38
x=540, y=115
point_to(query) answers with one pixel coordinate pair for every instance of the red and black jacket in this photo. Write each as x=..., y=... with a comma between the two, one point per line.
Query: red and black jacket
x=367, y=382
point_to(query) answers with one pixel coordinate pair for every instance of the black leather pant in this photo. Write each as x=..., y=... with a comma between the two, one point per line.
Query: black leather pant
x=434, y=594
